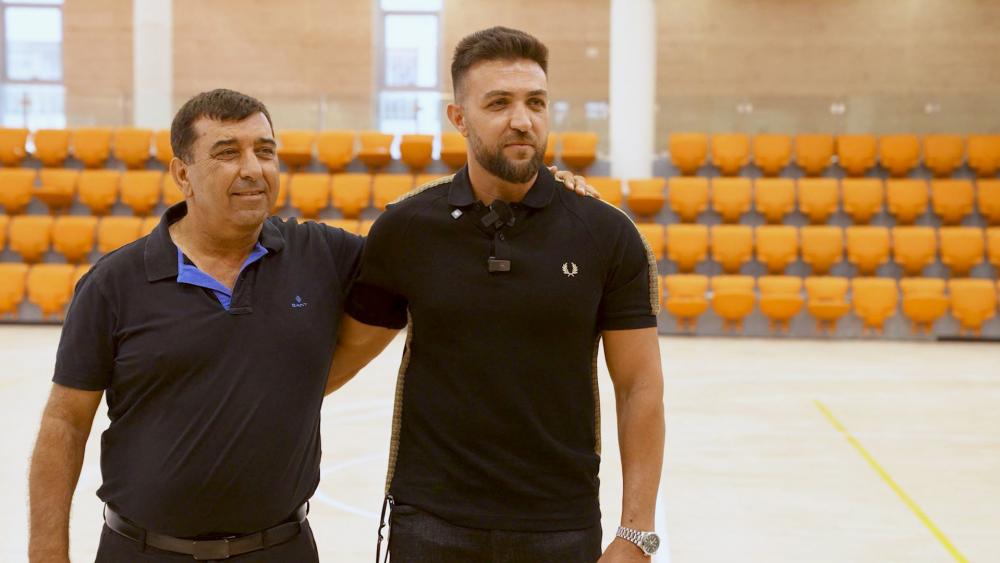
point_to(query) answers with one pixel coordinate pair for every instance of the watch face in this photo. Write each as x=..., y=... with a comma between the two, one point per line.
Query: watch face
x=651, y=543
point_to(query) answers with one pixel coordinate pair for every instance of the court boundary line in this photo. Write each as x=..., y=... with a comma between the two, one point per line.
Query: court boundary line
x=907, y=500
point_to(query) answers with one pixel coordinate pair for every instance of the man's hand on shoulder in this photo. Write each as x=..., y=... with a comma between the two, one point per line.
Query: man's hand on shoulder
x=576, y=183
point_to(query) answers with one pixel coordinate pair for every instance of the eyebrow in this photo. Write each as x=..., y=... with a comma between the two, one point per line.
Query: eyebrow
x=495, y=93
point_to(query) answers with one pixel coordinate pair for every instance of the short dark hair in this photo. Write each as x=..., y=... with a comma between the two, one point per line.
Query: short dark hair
x=220, y=104
x=496, y=43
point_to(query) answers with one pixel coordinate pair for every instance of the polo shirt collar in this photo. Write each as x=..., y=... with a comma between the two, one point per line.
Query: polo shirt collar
x=540, y=194
x=160, y=254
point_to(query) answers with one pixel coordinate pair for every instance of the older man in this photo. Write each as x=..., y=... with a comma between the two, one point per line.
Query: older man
x=507, y=286
x=212, y=340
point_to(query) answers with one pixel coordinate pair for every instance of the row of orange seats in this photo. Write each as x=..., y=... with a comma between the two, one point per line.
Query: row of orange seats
x=57, y=188
x=874, y=300
x=49, y=286
x=351, y=193
x=72, y=236
x=856, y=154
x=822, y=246
x=90, y=145
x=817, y=198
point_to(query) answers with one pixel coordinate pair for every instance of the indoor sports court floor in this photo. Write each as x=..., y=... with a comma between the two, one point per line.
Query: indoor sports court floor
x=777, y=451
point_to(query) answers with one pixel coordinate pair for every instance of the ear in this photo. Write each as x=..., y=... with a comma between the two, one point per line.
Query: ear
x=457, y=118
x=179, y=171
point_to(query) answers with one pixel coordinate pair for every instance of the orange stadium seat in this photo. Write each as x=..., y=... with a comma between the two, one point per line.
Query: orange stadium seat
x=774, y=198
x=73, y=236
x=943, y=154
x=924, y=302
x=12, y=146
x=731, y=198
x=818, y=198
x=609, y=188
x=4, y=222
x=732, y=246
x=961, y=248
x=772, y=152
x=863, y=198
x=282, y=200
x=350, y=225
x=310, y=193
x=988, y=200
x=899, y=153
x=351, y=193
x=387, y=188
x=874, y=300
x=453, y=150
x=688, y=196
x=17, y=185
x=117, y=231
x=335, y=149
x=733, y=299
x=914, y=248
x=417, y=151
x=365, y=227
x=687, y=245
x=992, y=246
x=780, y=299
x=550, y=148
x=98, y=189
x=688, y=151
x=645, y=196
x=141, y=189
x=49, y=287
x=295, y=147
x=685, y=298
x=907, y=199
x=161, y=142
x=148, y=225
x=973, y=302
x=51, y=146
x=92, y=145
x=856, y=153
x=579, y=149
x=375, y=149
x=822, y=247
x=132, y=145
x=777, y=246
x=813, y=152
x=827, y=301
x=952, y=199
x=867, y=247
x=12, y=283
x=653, y=235
x=78, y=273
x=170, y=192
x=730, y=152
x=30, y=236
x=57, y=187
x=984, y=154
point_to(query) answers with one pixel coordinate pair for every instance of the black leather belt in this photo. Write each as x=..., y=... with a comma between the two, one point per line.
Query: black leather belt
x=208, y=550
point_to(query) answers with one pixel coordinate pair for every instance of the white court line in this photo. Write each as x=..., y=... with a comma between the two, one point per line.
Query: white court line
x=327, y=500
x=352, y=462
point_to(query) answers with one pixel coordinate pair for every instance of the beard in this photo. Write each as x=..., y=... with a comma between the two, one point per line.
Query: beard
x=496, y=163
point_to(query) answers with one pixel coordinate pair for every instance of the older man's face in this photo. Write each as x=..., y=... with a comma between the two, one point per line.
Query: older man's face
x=506, y=115
x=234, y=171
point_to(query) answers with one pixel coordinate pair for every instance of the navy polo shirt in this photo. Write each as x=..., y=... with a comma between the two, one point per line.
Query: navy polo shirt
x=497, y=414
x=214, y=410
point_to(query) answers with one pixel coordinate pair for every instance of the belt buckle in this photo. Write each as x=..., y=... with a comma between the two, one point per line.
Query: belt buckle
x=212, y=549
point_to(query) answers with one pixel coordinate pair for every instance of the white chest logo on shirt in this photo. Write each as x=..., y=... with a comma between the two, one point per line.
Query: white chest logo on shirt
x=570, y=269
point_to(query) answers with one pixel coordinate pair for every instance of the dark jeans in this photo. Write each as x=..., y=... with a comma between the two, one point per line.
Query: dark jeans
x=418, y=537
x=115, y=548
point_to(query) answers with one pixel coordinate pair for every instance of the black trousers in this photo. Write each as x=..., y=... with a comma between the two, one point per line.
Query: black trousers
x=418, y=537
x=115, y=548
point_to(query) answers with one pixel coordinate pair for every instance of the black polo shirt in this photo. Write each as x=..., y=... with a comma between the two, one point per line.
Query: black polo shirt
x=497, y=413
x=214, y=413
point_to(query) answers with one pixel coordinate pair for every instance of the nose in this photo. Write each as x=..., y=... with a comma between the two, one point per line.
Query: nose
x=520, y=119
x=250, y=167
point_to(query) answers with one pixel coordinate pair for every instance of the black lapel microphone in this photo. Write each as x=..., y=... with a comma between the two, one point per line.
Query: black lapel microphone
x=500, y=215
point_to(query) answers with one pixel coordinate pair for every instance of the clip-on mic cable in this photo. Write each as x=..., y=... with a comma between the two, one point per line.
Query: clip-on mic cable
x=500, y=215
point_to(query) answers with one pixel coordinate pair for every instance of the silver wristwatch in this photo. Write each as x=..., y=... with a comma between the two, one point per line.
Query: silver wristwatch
x=648, y=542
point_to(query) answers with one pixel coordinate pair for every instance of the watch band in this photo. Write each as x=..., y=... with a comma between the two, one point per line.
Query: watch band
x=634, y=536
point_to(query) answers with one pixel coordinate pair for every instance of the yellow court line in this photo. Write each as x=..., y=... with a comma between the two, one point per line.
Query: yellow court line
x=909, y=502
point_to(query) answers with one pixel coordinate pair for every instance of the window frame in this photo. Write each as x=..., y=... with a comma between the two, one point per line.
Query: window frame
x=4, y=76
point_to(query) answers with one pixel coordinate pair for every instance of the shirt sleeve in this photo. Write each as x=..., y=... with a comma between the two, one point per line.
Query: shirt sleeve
x=631, y=296
x=347, y=249
x=85, y=357
x=376, y=297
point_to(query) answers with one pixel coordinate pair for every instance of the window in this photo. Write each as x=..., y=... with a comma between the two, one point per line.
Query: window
x=32, y=93
x=409, y=84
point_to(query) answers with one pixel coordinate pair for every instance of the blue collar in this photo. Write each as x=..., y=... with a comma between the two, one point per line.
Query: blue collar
x=191, y=275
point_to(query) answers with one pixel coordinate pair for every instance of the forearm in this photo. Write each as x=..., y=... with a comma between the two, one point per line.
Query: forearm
x=55, y=470
x=357, y=344
x=640, y=438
